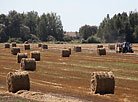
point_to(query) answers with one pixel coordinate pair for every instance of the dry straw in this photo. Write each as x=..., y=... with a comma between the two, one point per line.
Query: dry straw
x=7, y=45
x=15, y=50
x=20, y=56
x=26, y=42
x=28, y=64
x=65, y=53
x=35, y=54
x=77, y=48
x=26, y=46
x=101, y=51
x=70, y=50
x=18, y=81
x=102, y=82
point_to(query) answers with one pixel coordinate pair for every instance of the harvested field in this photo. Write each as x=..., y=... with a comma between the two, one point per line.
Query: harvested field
x=71, y=76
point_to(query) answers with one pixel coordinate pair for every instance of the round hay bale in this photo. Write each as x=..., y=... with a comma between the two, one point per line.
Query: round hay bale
x=40, y=45
x=13, y=44
x=102, y=82
x=7, y=45
x=15, y=50
x=18, y=81
x=26, y=46
x=44, y=46
x=26, y=42
x=101, y=51
x=77, y=48
x=28, y=64
x=20, y=56
x=111, y=47
x=65, y=53
x=70, y=50
x=35, y=54
x=99, y=46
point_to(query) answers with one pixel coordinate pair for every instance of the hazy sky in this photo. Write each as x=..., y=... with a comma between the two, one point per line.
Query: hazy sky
x=74, y=13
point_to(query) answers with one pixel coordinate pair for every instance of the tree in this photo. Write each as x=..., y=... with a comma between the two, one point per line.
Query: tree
x=31, y=20
x=50, y=24
x=87, y=31
x=15, y=22
x=3, y=36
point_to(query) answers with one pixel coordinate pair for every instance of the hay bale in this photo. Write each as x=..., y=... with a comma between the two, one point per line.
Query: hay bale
x=99, y=46
x=111, y=47
x=65, y=53
x=102, y=82
x=70, y=50
x=20, y=56
x=28, y=64
x=15, y=50
x=26, y=42
x=44, y=46
x=35, y=54
x=40, y=45
x=13, y=44
x=18, y=81
x=101, y=51
x=26, y=46
x=7, y=45
x=77, y=48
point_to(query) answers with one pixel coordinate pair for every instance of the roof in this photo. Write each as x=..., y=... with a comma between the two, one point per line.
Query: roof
x=72, y=34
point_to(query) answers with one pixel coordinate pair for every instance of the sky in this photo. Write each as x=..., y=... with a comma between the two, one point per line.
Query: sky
x=73, y=13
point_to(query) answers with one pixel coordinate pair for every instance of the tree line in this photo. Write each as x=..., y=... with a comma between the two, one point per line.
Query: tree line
x=30, y=26
x=119, y=28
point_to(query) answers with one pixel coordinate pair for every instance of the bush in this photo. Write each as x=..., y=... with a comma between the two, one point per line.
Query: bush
x=93, y=39
x=17, y=40
x=83, y=41
x=33, y=39
x=67, y=38
x=51, y=38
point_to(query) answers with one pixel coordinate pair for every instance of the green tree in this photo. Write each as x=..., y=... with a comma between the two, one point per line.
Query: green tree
x=3, y=36
x=31, y=20
x=87, y=31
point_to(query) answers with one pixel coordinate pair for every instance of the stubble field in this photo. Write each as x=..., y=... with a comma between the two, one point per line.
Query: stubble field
x=68, y=79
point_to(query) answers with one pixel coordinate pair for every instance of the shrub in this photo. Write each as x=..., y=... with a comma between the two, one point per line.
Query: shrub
x=17, y=40
x=93, y=39
x=51, y=38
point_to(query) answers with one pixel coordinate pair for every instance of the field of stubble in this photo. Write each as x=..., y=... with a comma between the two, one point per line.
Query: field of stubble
x=68, y=79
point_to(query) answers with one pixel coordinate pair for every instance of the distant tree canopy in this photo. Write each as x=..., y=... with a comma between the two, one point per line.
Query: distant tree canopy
x=119, y=28
x=30, y=26
x=48, y=27
x=87, y=31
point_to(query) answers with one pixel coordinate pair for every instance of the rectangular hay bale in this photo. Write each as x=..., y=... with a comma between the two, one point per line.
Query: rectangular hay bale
x=18, y=81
